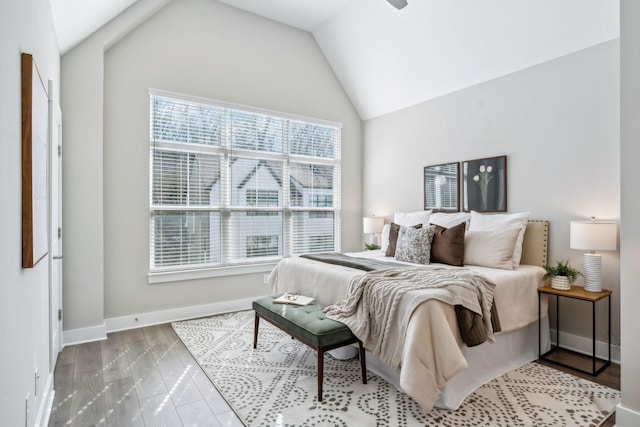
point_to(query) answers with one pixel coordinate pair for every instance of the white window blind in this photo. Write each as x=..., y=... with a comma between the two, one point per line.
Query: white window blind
x=233, y=185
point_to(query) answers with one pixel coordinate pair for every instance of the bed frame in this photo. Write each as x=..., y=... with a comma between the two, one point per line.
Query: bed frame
x=534, y=245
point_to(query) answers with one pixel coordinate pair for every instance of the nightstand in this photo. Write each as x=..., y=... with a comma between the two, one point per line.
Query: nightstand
x=577, y=292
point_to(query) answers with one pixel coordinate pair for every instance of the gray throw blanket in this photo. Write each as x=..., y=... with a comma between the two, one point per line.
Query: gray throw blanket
x=364, y=264
x=379, y=304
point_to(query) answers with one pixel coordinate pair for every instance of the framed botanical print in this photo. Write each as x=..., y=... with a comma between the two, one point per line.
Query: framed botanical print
x=484, y=184
x=441, y=189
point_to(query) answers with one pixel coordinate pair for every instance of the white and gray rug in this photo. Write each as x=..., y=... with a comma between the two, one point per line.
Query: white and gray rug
x=276, y=385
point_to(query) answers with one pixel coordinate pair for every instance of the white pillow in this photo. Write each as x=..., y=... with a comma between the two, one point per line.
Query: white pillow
x=412, y=218
x=384, y=238
x=448, y=220
x=481, y=222
x=490, y=248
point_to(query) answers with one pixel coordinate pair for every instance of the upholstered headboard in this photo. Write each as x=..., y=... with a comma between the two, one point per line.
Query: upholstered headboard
x=534, y=245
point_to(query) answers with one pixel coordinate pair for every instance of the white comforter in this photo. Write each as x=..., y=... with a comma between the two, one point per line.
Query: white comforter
x=432, y=352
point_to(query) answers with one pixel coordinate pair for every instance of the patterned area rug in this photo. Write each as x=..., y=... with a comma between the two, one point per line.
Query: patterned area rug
x=276, y=385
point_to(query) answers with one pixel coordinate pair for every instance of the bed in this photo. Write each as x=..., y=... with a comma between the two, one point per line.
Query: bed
x=436, y=367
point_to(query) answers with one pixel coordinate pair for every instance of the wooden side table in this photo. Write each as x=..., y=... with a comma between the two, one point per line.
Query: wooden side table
x=577, y=292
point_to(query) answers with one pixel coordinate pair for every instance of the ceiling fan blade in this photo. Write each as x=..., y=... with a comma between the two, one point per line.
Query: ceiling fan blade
x=398, y=4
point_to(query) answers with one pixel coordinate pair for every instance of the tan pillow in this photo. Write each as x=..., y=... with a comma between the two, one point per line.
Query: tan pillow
x=448, y=245
x=394, y=229
x=490, y=248
x=500, y=222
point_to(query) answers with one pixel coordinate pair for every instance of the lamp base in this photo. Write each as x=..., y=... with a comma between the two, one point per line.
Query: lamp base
x=592, y=272
x=373, y=239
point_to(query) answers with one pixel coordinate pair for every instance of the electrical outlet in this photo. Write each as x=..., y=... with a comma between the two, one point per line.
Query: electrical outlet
x=265, y=279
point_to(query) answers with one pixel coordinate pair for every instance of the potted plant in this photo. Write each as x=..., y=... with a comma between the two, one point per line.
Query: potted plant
x=562, y=275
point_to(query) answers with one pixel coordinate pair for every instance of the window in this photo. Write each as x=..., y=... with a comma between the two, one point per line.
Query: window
x=262, y=198
x=233, y=186
x=323, y=201
x=258, y=246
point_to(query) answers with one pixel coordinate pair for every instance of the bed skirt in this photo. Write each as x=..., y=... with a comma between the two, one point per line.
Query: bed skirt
x=486, y=362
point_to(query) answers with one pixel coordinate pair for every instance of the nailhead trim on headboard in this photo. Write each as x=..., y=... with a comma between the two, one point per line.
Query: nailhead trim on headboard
x=535, y=244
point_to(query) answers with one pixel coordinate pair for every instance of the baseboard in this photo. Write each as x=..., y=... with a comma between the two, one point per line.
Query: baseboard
x=98, y=333
x=175, y=314
x=83, y=335
x=584, y=345
x=44, y=411
x=626, y=417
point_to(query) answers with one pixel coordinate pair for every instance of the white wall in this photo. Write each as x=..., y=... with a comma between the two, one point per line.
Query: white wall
x=25, y=26
x=558, y=124
x=628, y=412
x=196, y=47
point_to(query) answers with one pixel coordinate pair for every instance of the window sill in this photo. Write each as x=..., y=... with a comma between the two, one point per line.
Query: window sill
x=205, y=273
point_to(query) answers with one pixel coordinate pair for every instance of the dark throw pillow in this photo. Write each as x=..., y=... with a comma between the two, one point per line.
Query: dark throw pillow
x=448, y=245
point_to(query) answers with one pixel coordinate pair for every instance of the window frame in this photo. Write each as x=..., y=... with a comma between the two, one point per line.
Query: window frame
x=226, y=209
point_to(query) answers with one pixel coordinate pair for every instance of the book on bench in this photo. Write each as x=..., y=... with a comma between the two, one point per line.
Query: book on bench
x=294, y=299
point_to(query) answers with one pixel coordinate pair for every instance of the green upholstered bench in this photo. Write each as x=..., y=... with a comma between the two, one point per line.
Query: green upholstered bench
x=309, y=325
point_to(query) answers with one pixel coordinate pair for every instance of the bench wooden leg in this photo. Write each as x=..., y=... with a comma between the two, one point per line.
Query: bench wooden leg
x=255, y=331
x=363, y=363
x=320, y=372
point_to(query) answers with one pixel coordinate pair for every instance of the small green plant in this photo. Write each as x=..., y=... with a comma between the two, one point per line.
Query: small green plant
x=371, y=246
x=562, y=268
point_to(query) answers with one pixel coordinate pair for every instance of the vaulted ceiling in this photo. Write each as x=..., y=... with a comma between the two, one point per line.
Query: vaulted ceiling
x=389, y=59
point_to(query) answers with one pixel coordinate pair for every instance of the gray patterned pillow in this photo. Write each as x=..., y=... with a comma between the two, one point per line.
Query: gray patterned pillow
x=414, y=245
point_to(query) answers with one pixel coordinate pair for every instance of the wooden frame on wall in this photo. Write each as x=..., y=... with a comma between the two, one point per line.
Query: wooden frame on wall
x=484, y=184
x=35, y=151
x=441, y=189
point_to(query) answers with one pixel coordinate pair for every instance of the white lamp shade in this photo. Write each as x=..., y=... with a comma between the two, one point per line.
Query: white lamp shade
x=593, y=235
x=372, y=224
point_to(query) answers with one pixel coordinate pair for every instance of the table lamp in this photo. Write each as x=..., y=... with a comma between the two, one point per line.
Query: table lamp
x=372, y=225
x=593, y=236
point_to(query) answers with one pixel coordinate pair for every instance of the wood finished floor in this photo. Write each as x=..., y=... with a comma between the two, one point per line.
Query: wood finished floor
x=147, y=377
x=140, y=377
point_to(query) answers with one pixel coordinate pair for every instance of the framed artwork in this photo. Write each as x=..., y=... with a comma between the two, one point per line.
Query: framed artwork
x=484, y=184
x=441, y=189
x=35, y=146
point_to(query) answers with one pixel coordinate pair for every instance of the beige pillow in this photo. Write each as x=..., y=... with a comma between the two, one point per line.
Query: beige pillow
x=490, y=248
x=500, y=222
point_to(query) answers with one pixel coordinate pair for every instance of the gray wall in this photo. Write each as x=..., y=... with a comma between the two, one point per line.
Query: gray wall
x=558, y=124
x=196, y=47
x=25, y=26
x=82, y=75
x=628, y=412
